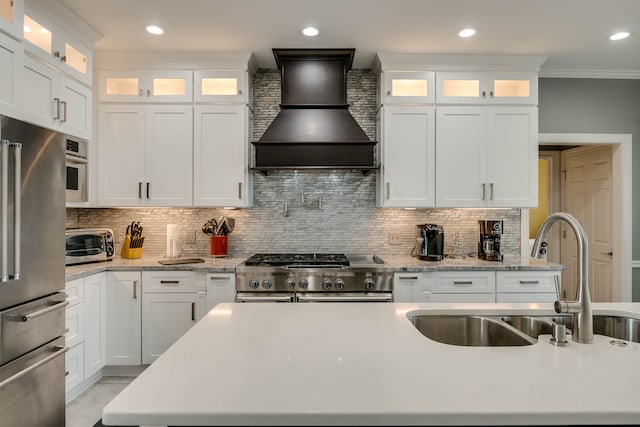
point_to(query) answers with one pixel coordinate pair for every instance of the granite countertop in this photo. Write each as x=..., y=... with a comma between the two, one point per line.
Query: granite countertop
x=366, y=364
x=400, y=263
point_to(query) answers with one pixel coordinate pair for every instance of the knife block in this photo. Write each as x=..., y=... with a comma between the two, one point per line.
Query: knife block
x=128, y=252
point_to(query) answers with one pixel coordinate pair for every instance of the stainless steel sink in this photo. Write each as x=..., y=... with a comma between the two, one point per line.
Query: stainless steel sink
x=466, y=330
x=514, y=330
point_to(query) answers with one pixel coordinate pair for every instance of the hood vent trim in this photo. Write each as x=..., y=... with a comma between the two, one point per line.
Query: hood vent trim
x=314, y=129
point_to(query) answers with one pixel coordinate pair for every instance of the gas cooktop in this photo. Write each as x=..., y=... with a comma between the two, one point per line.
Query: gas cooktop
x=309, y=259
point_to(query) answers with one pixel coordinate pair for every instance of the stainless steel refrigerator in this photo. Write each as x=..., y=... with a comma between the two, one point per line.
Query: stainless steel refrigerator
x=32, y=301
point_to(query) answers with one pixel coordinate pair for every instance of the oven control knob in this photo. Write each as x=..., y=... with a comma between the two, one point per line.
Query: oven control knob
x=369, y=283
x=339, y=284
x=326, y=284
x=290, y=283
x=253, y=284
x=266, y=283
x=303, y=283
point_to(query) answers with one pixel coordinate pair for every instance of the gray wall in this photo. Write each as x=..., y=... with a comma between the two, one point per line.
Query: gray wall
x=597, y=106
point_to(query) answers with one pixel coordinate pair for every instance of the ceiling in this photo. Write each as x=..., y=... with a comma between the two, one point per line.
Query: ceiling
x=573, y=34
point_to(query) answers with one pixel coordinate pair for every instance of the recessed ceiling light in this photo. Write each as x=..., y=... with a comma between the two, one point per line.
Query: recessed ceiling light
x=467, y=32
x=619, y=36
x=154, y=29
x=310, y=32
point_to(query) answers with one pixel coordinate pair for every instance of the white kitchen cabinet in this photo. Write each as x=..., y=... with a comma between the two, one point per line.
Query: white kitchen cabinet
x=74, y=368
x=461, y=87
x=444, y=286
x=466, y=282
x=11, y=17
x=145, y=155
x=221, y=287
x=52, y=100
x=222, y=86
x=407, y=156
x=221, y=175
x=145, y=86
x=404, y=285
x=94, y=327
x=45, y=38
x=486, y=156
x=169, y=302
x=123, y=320
x=407, y=87
x=527, y=286
x=11, y=57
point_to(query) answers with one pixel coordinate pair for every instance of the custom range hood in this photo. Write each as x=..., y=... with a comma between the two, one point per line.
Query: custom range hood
x=314, y=129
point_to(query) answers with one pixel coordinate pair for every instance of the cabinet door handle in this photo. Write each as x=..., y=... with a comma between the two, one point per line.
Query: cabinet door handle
x=463, y=282
x=57, y=108
x=491, y=191
x=484, y=94
x=491, y=94
x=407, y=277
x=148, y=189
x=64, y=111
x=139, y=190
x=140, y=92
x=193, y=311
x=169, y=282
x=148, y=92
x=135, y=289
x=240, y=190
x=388, y=191
x=484, y=191
x=529, y=282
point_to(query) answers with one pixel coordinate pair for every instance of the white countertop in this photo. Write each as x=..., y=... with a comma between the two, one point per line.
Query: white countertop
x=350, y=363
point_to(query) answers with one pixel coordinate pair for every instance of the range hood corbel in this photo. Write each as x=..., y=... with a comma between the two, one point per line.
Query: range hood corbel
x=314, y=129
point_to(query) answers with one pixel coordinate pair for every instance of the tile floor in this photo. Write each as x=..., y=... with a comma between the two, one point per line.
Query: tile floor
x=86, y=409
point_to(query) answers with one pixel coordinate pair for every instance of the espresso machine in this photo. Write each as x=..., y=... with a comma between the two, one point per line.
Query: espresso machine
x=430, y=242
x=489, y=244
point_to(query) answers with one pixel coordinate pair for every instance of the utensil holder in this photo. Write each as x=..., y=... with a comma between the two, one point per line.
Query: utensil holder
x=218, y=246
x=128, y=252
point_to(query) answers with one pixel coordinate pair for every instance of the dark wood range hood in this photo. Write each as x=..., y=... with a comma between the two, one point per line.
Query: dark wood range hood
x=314, y=129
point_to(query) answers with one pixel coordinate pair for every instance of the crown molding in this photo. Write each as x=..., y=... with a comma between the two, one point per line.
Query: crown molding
x=588, y=74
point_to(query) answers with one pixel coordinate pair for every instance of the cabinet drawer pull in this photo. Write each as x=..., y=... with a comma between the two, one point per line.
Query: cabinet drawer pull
x=529, y=282
x=169, y=282
x=463, y=282
x=407, y=277
x=218, y=278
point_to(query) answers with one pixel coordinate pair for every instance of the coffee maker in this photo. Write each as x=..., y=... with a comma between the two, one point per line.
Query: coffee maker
x=489, y=244
x=430, y=242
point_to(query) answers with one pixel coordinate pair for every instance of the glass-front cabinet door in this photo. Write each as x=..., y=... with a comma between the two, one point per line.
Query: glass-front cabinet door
x=145, y=86
x=11, y=12
x=221, y=86
x=487, y=88
x=408, y=87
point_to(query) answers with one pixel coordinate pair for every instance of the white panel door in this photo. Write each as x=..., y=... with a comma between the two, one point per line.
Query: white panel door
x=39, y=93
x=75, y=108
x=121, y=155
x=11, y=58
x=588, y=197
x=169, y=155
x=95, y=321
x=220, y=158
x=165, y=318
x=123, y=297
x=461, y=157
x=408, y=158
x=512, y=148
x=220, y=288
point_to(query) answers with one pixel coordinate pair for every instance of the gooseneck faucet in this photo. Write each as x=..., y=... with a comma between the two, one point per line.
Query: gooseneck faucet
x=581, y=307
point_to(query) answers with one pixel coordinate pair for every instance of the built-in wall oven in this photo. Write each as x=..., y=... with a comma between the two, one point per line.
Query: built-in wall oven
x=314, y=278
x=76, y=162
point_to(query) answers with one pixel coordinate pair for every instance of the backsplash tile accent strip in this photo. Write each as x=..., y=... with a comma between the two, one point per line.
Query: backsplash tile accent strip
x=347, y=219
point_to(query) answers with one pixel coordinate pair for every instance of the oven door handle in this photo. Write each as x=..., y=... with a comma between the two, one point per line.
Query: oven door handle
x=270, y=298
x=74, y=159
x=384, y=297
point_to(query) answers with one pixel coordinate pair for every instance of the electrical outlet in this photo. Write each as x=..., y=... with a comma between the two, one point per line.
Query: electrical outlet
x=394, y=239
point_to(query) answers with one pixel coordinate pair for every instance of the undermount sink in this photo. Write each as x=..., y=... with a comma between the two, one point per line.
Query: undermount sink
x=470, y=330
x=514, y=330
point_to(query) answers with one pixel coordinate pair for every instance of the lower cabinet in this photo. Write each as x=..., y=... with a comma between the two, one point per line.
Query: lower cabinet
x=124, y=299
x=476, y=286
x=85, y=336
x=221, y=287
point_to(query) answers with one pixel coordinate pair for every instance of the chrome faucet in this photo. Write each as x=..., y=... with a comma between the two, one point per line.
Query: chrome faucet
x=581, y=307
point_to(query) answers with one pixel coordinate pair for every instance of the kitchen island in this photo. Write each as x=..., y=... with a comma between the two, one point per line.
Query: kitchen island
x=366, y=364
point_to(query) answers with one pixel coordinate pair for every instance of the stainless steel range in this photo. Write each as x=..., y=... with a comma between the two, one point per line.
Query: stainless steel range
x=316, y=277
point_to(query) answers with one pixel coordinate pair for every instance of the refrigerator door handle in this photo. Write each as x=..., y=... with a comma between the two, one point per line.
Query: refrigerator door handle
x=58, y=350
x=25, y=317
x=17, y=209
x=4, y=201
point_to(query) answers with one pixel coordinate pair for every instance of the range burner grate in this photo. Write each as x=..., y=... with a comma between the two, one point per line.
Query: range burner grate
x=298, y=259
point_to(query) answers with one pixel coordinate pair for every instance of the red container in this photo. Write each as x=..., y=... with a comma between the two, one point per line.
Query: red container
x=218, y=246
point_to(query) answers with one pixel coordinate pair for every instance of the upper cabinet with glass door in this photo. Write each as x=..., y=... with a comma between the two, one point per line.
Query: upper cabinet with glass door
x=145, y=86
x=222, y=86
x=407, y=87
x=11, y=12
x=47, y=41
x=487, y=88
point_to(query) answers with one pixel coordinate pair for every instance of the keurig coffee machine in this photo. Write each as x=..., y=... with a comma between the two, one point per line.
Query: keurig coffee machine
x=489, y=244
x=430, y=242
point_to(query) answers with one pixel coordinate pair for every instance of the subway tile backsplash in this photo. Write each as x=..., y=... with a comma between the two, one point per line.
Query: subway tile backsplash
x=329, y=211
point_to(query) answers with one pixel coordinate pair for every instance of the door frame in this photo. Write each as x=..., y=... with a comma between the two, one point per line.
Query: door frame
x=622, y=203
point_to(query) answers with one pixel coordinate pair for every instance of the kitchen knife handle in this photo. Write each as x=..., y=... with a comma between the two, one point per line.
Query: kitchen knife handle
x=4, y=202
x=17, y=209
x=148, y=189
x=139, y=190
x=135, y=289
